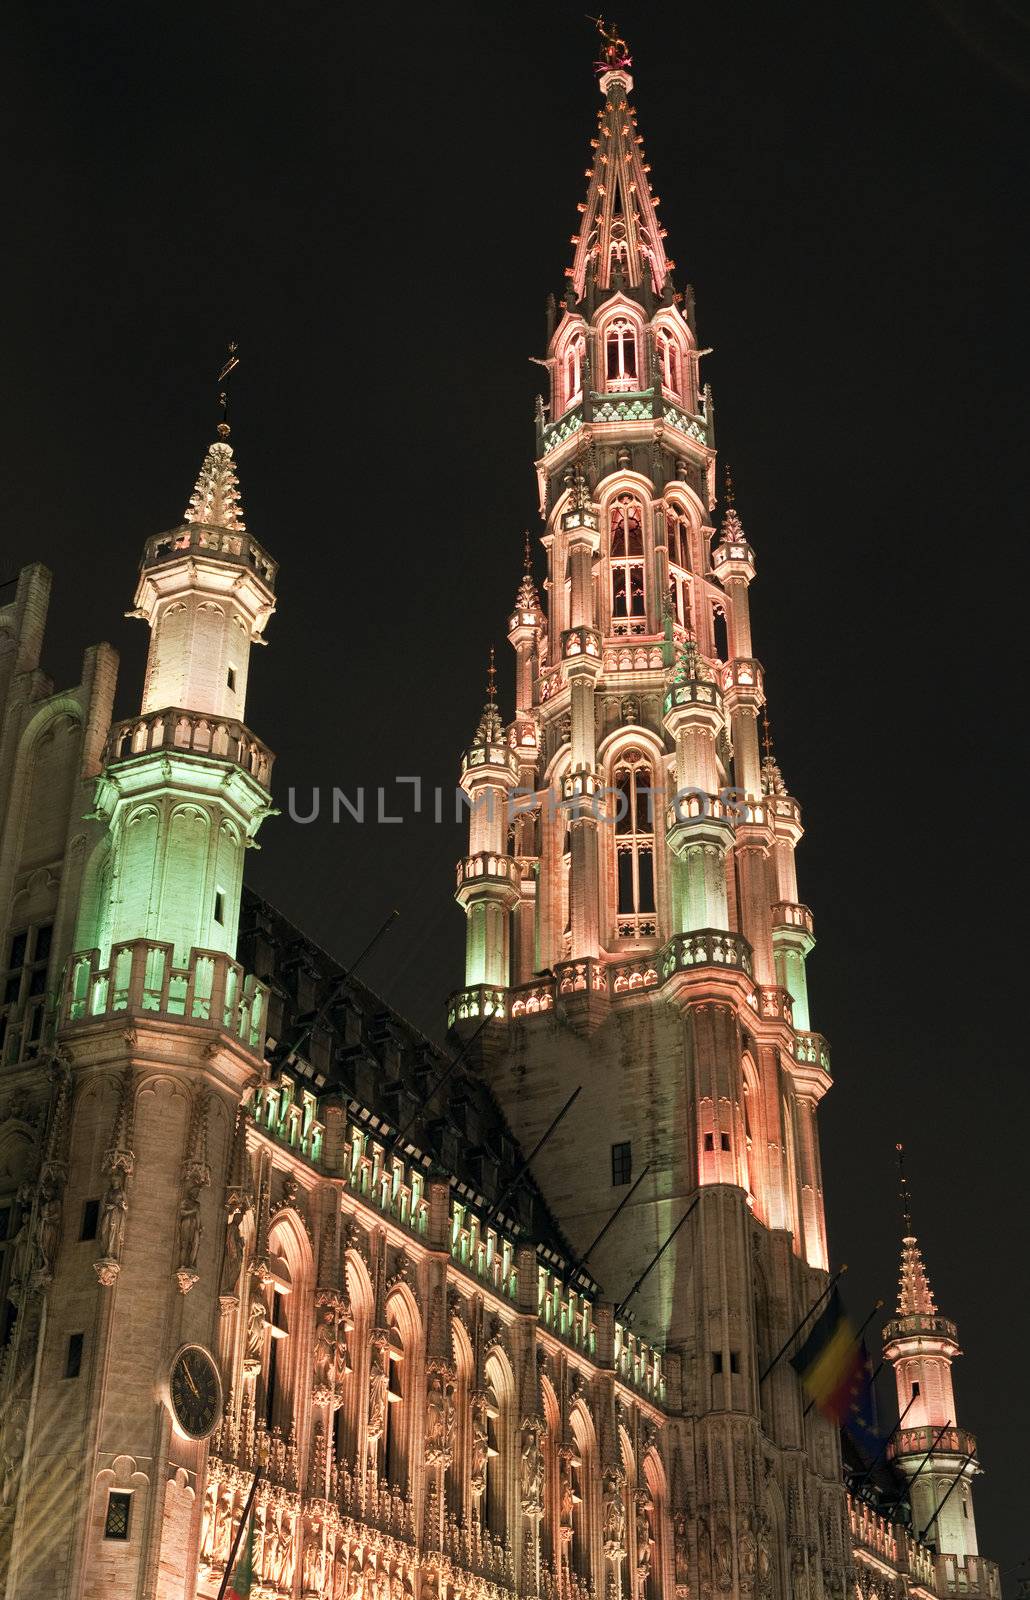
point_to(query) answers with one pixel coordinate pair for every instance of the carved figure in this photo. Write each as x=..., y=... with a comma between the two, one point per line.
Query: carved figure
x=531, y=1474
x=436, y=1419
x=480, y=1451
x=613, y=1518
x=191, y=1228
x=49, y=1226
x=283, y=1553
x=643, y=1529
x=378, y=1390
x=324, y=1355
x=114, y=1209
x=236, y=1208
x=257, y=1315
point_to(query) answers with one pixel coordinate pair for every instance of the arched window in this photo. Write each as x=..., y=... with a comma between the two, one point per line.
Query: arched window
x=678, y=536
x=633, y=783
x=620, y=343
x=574, y=371
x=626, y=553
x=669, y=361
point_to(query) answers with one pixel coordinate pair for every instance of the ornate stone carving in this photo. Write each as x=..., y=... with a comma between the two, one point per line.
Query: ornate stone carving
x=439, y=1421
x=330, y=1361
x=531, y=1470
x=378, y=1387
x=613, y=1517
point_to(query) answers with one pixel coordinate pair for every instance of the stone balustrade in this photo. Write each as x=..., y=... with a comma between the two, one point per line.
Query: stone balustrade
x=212, y=990
x=197, y=539
x=743, y=675
x=290, y=1117
x=788, y=914
x=706, y=947
x=190, y=733
x=970, y=1576
x=920, y=1441
x=812, y=1049
x=486, y=867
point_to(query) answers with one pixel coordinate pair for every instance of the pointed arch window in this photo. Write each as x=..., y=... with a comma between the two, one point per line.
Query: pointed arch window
x=633, y=783
x=678, y=536
x=669, y=361
x=620, y=343
x=574, y=354
x=626, y=551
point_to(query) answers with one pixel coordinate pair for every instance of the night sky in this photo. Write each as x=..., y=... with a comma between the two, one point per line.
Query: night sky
x=377, y=209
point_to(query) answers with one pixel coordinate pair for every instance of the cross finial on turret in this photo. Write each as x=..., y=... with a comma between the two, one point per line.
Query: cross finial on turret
x=527, y=557
x=229, y=366
x=614, y=51
x=728, y=496
x=904, y=1193
x=491, y=679
x=767, y=744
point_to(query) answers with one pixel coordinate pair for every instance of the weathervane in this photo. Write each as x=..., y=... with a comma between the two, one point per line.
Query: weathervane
x=904, y=1193
x=232, y=361
x=615, y=53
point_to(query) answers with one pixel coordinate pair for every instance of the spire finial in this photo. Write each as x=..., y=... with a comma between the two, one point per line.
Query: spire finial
x=767, y=744
x=615, y=56
x=527, y=558
x=491, y=679
x=904, y=1193
x=729, y=495
x=229, y=366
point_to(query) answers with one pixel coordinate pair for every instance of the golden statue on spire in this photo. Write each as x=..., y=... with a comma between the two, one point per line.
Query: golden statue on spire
x=615, y=51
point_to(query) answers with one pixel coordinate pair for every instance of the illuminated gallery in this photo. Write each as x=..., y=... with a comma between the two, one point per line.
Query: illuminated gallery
x=300, y=1306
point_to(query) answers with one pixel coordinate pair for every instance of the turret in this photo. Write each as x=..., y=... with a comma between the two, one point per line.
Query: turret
x=930, y=1449
x=487, y=886
x=185, y=785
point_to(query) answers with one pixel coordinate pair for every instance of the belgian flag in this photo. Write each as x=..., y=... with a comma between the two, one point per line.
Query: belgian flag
x=830, y=1363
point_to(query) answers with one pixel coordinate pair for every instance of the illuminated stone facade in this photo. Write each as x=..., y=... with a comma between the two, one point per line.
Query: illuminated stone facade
x=213, y=1139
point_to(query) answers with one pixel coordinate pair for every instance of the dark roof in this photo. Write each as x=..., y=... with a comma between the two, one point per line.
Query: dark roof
x=350, y=1042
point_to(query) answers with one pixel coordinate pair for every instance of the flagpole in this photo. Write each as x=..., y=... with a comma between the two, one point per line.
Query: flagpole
x=778, y=1357
x=887, y=1442
x=230, y=1564
x=877, y=1307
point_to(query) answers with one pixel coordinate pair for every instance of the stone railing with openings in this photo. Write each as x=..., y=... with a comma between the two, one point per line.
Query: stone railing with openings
x=706, y=947
x=476, y=1003
x=642, y=657
x=566, y=1312
x=970, y=1576
x=695, y=427
x=629, y=977
x=918, y=1441
x=580, y=977
x=638, y=1363
x=484, y=1252
x=692, y=691
x=530, y=1000
x=212, y=991
x=552, y=681
x=783, y=808
x=556, y=433
x=386, y=1181
x=289, y=1116
x=199, y=539
x=812, y=1049
x=936, y=1325
x=772, y=1004
x=788, y=914
x=730, y=555
x=487, y=868
x=489, y=755
x=189, y=733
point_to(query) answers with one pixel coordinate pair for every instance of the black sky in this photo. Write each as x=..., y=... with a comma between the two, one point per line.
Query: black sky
x=377, y=207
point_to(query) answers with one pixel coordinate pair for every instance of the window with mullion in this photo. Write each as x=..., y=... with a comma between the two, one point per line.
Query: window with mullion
x=633, y=782
x=23, y=991
x=621, y=354
x=626, y=556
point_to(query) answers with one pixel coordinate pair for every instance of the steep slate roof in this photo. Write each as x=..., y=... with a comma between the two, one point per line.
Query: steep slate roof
x=361, y=1048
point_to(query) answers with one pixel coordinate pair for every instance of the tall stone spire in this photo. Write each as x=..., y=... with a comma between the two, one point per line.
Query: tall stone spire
x=620, y=240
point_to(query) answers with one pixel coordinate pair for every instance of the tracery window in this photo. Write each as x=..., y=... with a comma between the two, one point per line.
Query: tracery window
x=633, y=783
x=23, y=992
x=669, y=361
x=626, y=554
x=574, y=371
x=620, y=344
x=678, y=534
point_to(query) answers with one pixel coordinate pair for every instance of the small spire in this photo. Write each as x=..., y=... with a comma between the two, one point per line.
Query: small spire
x=732, y=527
x=527, y=558
x=527, y=598
x=915, y=1297
x=490, y=729
x=491, y=678
x=772, y=777
x=215, y=500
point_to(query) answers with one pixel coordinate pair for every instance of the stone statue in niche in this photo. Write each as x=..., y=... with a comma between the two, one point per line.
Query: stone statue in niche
x=644, y=1549
x=191, y=1231
x=236, y=1208
x=114, y=1209
x=613, y=1518
x=257, y=1316
x=531, y=1473
x=378, y=1389
x=324, y=1355
x=480, y=1449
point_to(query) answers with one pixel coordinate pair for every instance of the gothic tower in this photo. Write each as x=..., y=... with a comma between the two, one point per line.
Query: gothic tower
x=634, y=923
x=159, y=1036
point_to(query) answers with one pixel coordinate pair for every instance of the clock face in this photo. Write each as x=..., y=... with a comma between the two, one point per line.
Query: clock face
x=195, y=1392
